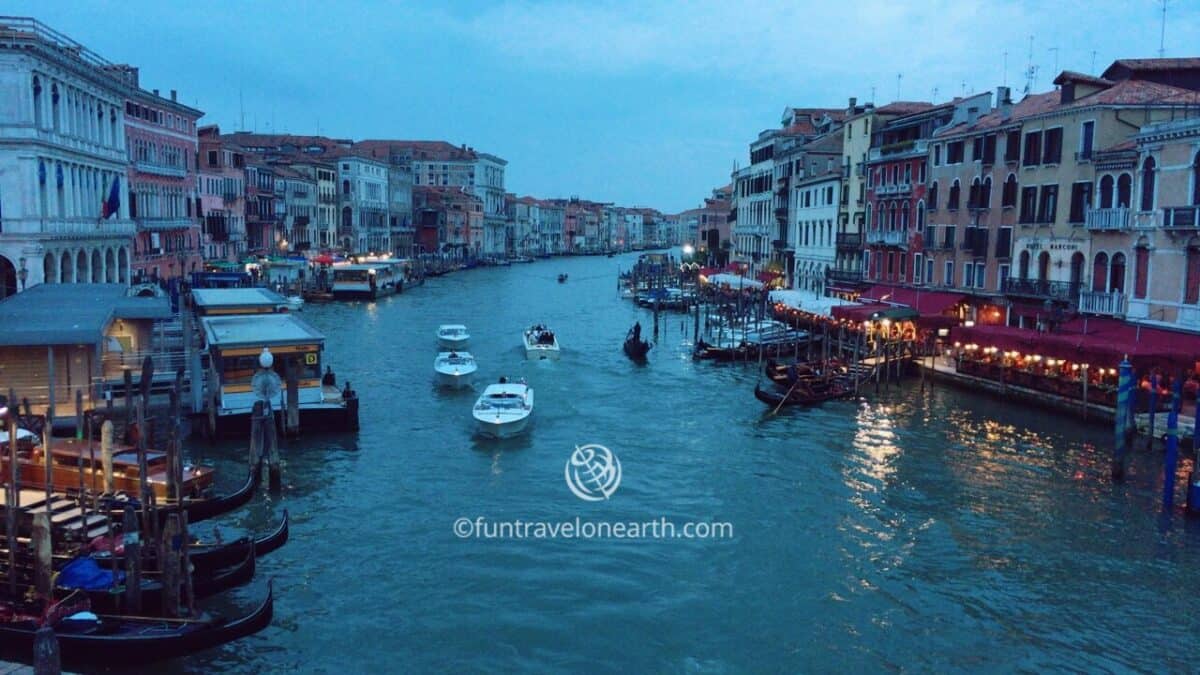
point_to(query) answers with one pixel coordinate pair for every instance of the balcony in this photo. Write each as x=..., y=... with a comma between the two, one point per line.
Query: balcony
x=1107, y=220
x=888, y=238
x=229, y=197
x=849, y=241
x=781, y=212
x=160, y=169
x=843, y=276
x=1097, y=302
x=1181, y=218
x=70, y=227
x=1063, y=291
x=900, y=149
x=895, y=189
x=164, y=224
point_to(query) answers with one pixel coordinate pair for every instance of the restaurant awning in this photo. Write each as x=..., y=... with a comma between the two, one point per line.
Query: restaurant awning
x=927, y=303
x=873, y=312
x=1095, y=340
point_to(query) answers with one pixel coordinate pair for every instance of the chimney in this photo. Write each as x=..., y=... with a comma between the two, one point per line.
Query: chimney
x=156, y=92
x=174, y=95
x=853, y=102
x=1004, y=102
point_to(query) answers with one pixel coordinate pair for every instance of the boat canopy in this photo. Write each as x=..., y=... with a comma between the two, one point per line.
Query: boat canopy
x=240, y=330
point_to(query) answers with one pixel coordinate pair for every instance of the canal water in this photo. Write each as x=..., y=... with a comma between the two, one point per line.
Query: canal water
x=921, y=530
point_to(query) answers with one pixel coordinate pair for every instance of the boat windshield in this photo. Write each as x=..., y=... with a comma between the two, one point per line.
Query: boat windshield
x=501, y=402
x=453, y=332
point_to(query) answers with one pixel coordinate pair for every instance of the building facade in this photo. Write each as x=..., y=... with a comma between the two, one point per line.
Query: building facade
x=64, y=183
x=363, y=194
x=222, y=189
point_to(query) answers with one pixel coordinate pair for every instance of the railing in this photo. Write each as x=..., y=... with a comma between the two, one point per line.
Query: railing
x=229, y=197
x=894, y=189
x=844, y=276
x=160, y=169
x=164, y=224
x=887, y=237
x=1107, y=219
x=849, y=240
x=1098, y=302
x=1064, y=291
x=916, y=147
x=1181, y=218
x=97, y=227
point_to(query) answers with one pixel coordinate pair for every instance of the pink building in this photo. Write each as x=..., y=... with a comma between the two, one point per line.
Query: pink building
x=222, y=185
x=162, y=142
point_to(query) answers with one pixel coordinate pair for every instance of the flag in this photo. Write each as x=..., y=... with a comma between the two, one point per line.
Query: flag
x=109, y=207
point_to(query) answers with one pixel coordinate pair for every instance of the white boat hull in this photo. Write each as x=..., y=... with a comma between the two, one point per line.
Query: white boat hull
x=541, y=352
x=456, y=380
x=452, y=344
x=503, y=428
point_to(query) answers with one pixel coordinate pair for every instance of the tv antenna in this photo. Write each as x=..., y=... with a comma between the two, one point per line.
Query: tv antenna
x=1162, y=35
x=1055, y=50
x=899, y=77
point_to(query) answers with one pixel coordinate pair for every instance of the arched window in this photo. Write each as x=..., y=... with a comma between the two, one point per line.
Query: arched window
x=1141, y=272
x=1116, y=275
x=904, y=208
x=1009, y=195
x=933, y=195
x=37, y=102
x=1023, y=266
x=955, y=189
x=1100, y=272
x=985, y=195
x=1148, y=184
x=1106, y=192
x=973, y=199
x=54, y=122
x=1191, y=294
x=345, y=187
x=1043, y=266
x=1196, y=180
x=347, y=217
x=1124, y=190
x=1077, y=263
x=920, y=216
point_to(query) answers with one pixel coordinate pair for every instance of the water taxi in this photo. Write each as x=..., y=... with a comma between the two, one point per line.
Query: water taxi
x=503, y=410
x=234, y=344
x=540, y=343
x=367, y=281
x=455, y=369
x=453, y=337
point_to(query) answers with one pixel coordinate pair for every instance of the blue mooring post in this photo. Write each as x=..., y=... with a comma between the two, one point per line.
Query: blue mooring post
x=1153, y=408
x=1124, y=390
x=1171, y=462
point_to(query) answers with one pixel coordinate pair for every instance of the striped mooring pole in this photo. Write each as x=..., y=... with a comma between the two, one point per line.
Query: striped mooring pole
x=1124, y=391
x=1171, y=461
x=1153, y=409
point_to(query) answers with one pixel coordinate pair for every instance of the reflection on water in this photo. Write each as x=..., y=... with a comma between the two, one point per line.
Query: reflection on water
x=925, y=530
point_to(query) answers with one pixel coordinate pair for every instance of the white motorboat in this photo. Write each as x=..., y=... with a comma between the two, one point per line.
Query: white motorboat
x=453, y=337
x=541, y=343
x=504, y=409
x=455, y=369
x=295, y=303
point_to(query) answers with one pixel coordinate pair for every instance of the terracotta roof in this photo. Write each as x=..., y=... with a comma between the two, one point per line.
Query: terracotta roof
x=1155, y=64
x=1129, y=144
x=421, y=150
x=1033, y=104
x=904, y=107
x=1072, y=76
x=1138, y=92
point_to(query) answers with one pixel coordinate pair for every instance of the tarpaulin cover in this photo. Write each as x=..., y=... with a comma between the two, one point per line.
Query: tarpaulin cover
x=87, y=574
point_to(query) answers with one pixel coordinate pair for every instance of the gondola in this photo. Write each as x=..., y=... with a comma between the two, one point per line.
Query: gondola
x=635, y=347
x=785, y=374
x=802, y=396
x=105, y=600
x=130, y=641
x=203, y=509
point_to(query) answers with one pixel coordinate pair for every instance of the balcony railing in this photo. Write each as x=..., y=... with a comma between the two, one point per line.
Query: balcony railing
x=73, y=226
x=1041, y=289
x=844, y=276
x=1181, y=218
x=894, y=189
x=160, y=169
x=849, y=240
x=1097, y=302
x=887, y=237
x=1107, y=220
x=164, y=224
x=229, y=197
x=914, y=147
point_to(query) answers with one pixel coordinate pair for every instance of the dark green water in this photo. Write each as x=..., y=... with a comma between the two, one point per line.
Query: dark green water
x=923, y=531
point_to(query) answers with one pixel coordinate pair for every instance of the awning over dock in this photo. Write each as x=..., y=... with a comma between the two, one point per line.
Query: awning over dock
x=807, y=301
x=734, y=281
x=926, y=303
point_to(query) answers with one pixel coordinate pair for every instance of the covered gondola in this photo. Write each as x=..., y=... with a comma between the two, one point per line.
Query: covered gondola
x=102, y=641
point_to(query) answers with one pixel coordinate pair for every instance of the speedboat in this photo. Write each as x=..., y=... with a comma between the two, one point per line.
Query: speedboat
x=541, y=343
x=454, y=369
x=453, y=337
x=294, y=303
x=504, y=409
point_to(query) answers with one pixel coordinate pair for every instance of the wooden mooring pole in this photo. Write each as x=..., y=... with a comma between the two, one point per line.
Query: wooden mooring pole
x=133, y=561
x=1124, y=393
x=1171, y=460
x=13, y=503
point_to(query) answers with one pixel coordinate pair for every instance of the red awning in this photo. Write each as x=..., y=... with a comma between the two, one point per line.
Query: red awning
x=1102, y=341
x=927, y=303
x=859, y=312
